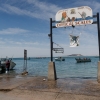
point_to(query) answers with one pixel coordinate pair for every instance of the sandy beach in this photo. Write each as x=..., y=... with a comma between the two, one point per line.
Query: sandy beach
x=20, y=87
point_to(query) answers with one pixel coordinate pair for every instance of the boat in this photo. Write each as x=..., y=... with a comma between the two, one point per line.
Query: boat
x=4, y=60
x=79, y=60
x=59, y=59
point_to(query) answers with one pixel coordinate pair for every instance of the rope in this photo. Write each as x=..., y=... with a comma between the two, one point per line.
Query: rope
x=82, y=30
x=59, y=51
x=57, y=44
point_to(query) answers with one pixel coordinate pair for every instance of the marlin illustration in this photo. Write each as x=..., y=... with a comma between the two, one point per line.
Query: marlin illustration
x=83, y=15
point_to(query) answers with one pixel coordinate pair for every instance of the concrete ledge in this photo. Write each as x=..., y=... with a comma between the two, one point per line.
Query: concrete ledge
x=98, y=73
x=52, y=71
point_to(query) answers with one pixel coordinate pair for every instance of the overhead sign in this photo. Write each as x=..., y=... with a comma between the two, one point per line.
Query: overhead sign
x=74, y=16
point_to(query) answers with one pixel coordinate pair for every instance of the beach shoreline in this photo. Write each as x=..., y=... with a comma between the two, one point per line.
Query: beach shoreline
x=21, y=87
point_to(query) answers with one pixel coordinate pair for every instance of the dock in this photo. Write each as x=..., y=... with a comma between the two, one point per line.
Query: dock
x=19, y=87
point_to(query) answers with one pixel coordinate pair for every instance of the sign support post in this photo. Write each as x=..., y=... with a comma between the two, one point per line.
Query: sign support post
x=51, y=43
x=98, y=33
x=98, y=77
x=25, y=63
x=51, y=66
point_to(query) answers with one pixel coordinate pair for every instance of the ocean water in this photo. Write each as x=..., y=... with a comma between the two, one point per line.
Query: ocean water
x=68, y=68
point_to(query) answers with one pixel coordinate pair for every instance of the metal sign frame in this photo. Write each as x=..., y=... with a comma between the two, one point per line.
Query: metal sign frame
x=51, y=27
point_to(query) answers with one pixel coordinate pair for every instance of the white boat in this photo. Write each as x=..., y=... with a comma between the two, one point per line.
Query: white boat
x=59, y=59
x=3, y=63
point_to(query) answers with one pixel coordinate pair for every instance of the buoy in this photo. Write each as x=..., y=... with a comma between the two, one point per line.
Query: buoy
x=44, y=79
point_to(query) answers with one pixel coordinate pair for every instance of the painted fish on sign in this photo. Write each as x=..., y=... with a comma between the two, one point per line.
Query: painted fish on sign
x=74, y=16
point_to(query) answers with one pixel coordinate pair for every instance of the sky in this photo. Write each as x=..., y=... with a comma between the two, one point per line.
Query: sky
x=25, y=24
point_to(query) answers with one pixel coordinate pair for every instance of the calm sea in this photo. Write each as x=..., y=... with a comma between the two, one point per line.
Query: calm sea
x=64, y=69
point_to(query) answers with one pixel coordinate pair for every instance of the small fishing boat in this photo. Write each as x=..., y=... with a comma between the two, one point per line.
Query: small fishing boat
x=79, y=60
x=3, y=65
x=59, y=59
x=4, y=60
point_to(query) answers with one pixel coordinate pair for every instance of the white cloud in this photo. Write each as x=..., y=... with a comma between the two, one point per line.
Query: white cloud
x=34, y=8
x=42, y=10
x=43, y=6
x=17, y=43
x=13, y=31
x=2, y=42
x=25, y=43
x=19, y=51
x=94, y=4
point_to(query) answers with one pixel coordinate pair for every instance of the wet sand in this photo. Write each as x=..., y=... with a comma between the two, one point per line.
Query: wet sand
x=18, y=87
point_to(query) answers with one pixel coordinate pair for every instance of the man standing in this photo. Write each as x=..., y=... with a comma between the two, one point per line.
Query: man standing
x=7, y=66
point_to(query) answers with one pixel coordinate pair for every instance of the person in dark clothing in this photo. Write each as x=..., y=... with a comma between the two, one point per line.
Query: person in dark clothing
x=7, y=65
x=0, y=63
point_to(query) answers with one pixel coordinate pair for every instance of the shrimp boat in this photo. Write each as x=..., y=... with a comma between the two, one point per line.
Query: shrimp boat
x=80, y=60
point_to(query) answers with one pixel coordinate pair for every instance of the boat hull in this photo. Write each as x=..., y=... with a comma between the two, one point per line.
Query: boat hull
x=82, y=60
x=12, y=64
x=59, y=59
